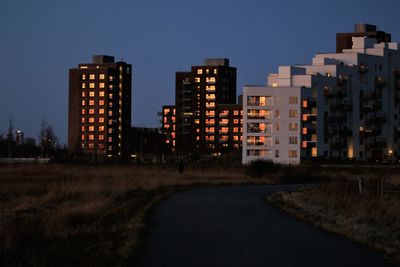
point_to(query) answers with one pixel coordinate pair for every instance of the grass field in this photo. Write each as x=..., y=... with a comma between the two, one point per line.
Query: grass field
x=68, y=215
x=338, y=205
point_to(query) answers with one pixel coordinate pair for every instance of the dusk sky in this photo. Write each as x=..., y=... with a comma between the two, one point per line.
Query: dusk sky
x=40, y=40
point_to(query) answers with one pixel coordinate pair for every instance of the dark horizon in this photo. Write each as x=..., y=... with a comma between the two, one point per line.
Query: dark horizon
x=42, y=40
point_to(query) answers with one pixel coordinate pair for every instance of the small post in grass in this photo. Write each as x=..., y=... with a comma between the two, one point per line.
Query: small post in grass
x=360, y=185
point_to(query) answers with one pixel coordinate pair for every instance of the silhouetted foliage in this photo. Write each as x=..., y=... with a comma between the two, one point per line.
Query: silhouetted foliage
x=259, y=168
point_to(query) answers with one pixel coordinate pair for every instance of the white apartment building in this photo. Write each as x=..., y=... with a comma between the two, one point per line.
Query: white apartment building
x=342, y=106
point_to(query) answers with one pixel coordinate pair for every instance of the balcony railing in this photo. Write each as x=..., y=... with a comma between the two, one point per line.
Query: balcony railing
x=373, y=107
x=370, y=132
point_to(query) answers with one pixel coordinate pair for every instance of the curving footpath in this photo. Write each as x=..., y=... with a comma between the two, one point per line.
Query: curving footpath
x=234, y=226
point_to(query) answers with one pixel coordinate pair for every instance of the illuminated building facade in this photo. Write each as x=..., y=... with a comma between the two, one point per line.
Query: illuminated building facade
x=207, y=118
x=100, y=108
x=343, y=105
x=168, y=121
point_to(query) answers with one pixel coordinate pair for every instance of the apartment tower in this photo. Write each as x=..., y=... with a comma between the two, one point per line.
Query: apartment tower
x=99, y=116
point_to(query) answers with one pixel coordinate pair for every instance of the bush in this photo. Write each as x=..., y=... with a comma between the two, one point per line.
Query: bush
x=259, y=168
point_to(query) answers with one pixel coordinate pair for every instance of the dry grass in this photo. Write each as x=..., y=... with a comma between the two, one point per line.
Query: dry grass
x=66, y=215
x=337, y=206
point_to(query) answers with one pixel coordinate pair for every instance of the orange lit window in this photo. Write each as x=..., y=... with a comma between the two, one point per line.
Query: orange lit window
x=110, y=113
x=305, y=130
x=101, y=137
x=110, y=104
x=83, y=111
x=91, y=120
x=110, y=122
x=83, y=128
x=91, y=128
x=101, y=77
x=91, y=93
x=101, y=128
x=305, y=117
x=235, y=121
x=101, y=85
x=91, y=102
x=101, y=120
x=305, y=104
x=304, y=144
x=83, y=102
x=91, y=145
x=101, y=102
x=91, y=85
x=91, y=111
x=83, y=85
x=83, y=94
x=101, y=93
x=91, y=77
x=236, y=138
x=236, y=112
x=235, y=129
x=110, y=139
x=91, y=137
x=83, y=137
x=101, y=111
x=83, y=120
x=83, y=76
x=110, y=130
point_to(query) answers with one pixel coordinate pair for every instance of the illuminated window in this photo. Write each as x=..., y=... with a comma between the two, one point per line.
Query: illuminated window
x=101, y=137
x=91, y=145
x=293, y=100
x=101, y=85
x=102, y=76
x=210, y=88
x=293, y=126
x=235, y=129
x=101, y=146
x=197, y=79
x=91, y=85
x=199, y=71
x=293, y=113
x=83, y=76
x=101, y=111
x=236, y=112
x=236, y=138
x=82, y=137
x=235, y=121
x=83, y=128
x=83, y=120
x=91, y=120
x=101, y=93
x=293, y=140
x=101, y=119
x=224, y=130
x=83, y=112
x=101, y=128
x=109, y=147
x=210, y=104
x=110, y=121
x=83, y=94
x=110, y=104
x=111, y=87
x=91, y=137
x=304, y=130
x=91, y=128
x=210, y=79
x=101, y=102
x=91, y=102
x=110, y=113
x=91, y=93
x=292, y=153
x=210, y=96
x=91, y=77
x=91, y=111
x=83, y=102
x=305, y=104
x=110, y=139
x=83, y=85
x=110, y=130
x=274, y=84
x=215, y=71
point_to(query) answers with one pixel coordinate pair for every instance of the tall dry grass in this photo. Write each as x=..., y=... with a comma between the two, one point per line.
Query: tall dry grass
x=338, y=206
x=68, y=215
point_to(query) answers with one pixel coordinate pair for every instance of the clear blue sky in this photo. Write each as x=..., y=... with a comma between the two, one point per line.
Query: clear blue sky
x=40, y=40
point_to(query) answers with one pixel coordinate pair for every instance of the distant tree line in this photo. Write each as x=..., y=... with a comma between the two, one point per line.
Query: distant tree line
x=47, y=145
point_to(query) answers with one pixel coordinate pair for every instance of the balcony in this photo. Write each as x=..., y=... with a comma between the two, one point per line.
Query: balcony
x=341, y=80
x=370, y=95
x=373, y=107
x=338, y=145
x=380, y=82
x=362, y=69
x=369, y=132
x=345, y=106
x=377, y=119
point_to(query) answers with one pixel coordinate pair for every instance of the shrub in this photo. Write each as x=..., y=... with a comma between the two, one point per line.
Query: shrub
x=259, y=168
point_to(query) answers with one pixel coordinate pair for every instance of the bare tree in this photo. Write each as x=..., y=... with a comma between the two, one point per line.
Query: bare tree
x=10, y=137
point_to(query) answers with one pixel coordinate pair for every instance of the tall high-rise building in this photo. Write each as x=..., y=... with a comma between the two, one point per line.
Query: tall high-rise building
x=204, y=99
x=341, y=106
x=99, y=117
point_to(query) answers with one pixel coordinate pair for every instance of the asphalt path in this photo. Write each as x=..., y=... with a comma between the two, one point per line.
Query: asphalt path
x=234, y=226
